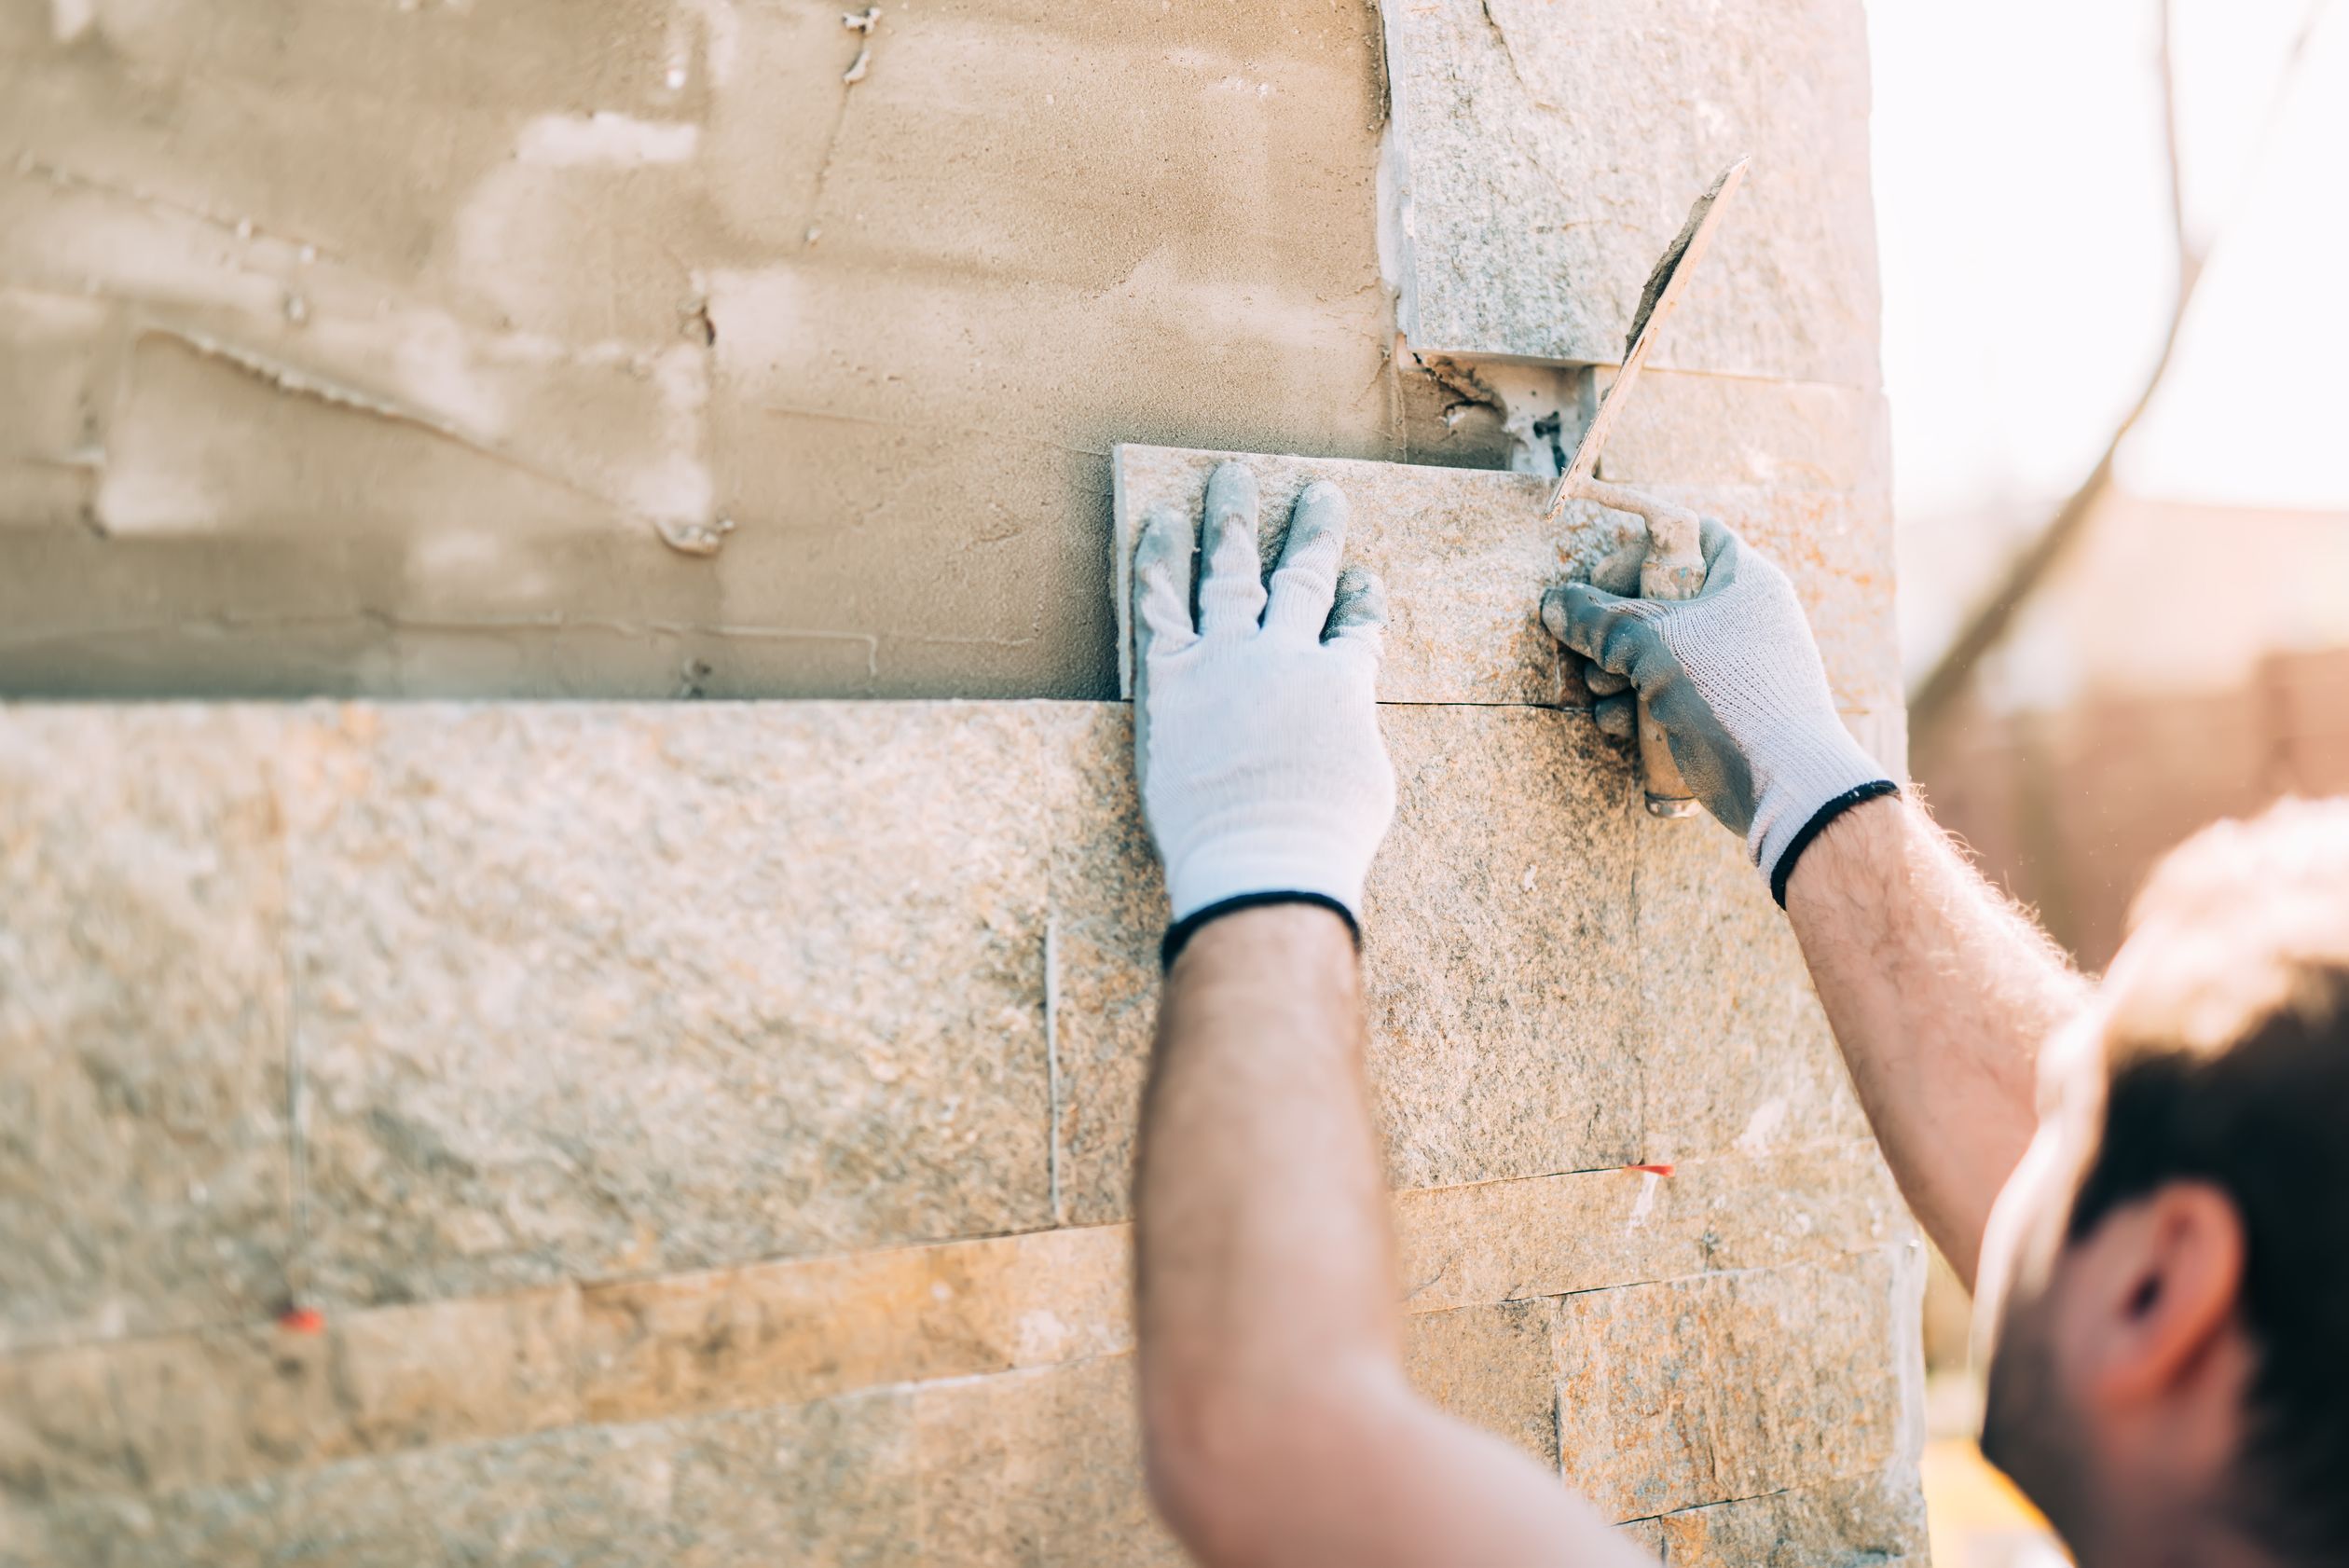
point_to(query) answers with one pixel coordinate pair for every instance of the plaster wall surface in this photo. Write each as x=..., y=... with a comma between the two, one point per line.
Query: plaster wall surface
x=624, y=349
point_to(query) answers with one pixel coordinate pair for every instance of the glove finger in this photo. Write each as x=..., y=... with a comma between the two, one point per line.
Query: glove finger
x=1604, y=682
x=1307, y=581
x=1162, y=584
x=1358, y=621
x=1722, y=551
x=1617, y=716
x=1610, y=631
x=1231, y=590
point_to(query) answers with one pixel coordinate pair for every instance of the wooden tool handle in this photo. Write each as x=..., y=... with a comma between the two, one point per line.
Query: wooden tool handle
x=1674, y=569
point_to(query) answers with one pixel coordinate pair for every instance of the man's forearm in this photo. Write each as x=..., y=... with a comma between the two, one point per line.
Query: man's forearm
x=1940, y=992
x=1258, y=1188
x=1279, y=1425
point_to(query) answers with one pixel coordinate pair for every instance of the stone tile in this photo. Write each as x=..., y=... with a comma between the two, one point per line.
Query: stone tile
x=1686, y=429
x=1039, y=1468
x=1108, y=913
x=229, y=1405
x=144, y=1155
x=597, y=992
x=1492, y=1365
x=1739, y=1055
x=1556, y=1235
x=835, y=1482
x=225, y=1406
x=1462, y=554
x=1504, y=1013
x=1877, y=1519
x=1541, y=157
x=785, y=1332
x=830, y=1482
x=1465, y=564
x=1731, y=1385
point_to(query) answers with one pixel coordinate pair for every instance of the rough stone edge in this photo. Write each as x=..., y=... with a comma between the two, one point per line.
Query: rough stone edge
x=978, y=1339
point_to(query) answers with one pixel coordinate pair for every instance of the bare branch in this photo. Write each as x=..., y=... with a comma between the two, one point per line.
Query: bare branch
x=1936, y=695
x=2189, y=260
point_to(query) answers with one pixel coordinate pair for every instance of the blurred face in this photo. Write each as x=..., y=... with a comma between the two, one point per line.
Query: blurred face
x=2033, y=1420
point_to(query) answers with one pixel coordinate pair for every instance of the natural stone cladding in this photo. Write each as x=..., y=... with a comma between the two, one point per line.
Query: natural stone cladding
x=709, y=1124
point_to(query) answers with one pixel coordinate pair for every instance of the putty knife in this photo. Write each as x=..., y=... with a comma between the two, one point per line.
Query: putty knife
x=1674, y=568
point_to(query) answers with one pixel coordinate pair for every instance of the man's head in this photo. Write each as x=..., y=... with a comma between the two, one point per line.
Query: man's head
x=2166, y=1274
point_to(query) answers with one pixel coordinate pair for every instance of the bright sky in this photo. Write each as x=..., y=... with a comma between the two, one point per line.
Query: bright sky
x=2022, y=213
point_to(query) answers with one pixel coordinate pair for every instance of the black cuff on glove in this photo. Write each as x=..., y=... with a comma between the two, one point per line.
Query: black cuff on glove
x=1874, y=788
x=1187, y=926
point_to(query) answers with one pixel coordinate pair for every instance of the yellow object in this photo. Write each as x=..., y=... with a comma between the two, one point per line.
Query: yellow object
x=1975, y=1516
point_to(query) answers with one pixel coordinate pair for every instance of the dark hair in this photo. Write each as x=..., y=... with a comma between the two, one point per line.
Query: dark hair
x=2266, y=1118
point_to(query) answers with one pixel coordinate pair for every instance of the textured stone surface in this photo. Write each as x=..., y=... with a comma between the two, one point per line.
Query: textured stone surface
x=1732, y=1384
x=552, y=963
x=1041, y=1467
x=784, y=1332
x=1875, y=1519
x=642, y=989
x=143, y=1022
x=1553, y=1235
x=222, y=1406
x=1463, y=552
x=1466, y=560
x=1502, y=1006
x=1739, y=1054
x=1503, y=1028
x=229, y=1405
x=831, y=1484
x=1108, y=913
x=1541, y=157
x=1494, y=1366
x=1034, y=1468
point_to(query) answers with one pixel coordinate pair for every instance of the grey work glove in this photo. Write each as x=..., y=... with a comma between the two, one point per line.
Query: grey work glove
x=1256, y=736
x=1735, y=680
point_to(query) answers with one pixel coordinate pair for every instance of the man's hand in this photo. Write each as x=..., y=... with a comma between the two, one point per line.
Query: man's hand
x=1938, y=990
x=1734, y=679
x=1255, y=729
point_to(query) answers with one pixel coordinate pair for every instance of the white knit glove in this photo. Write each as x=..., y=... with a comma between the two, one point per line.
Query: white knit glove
x=1735, y=680
x=1256, y=732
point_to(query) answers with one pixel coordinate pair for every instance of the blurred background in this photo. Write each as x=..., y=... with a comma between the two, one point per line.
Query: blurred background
x=2114, y=330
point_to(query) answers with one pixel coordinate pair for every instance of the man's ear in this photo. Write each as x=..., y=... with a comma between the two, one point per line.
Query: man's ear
x=2166, y=1289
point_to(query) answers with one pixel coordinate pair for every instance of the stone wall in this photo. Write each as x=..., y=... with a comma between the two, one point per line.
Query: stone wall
x=703, y=1131
x=699, y=1133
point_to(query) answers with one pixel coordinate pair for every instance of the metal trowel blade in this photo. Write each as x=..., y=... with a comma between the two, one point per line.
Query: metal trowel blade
x=1667, y=280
